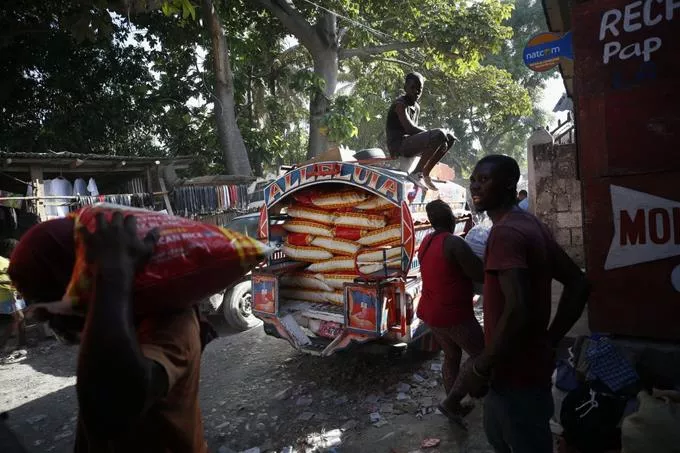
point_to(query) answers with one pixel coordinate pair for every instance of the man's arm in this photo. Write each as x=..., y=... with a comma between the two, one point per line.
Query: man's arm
x=515, y=287
x=116, y=383
x=574, y=296
x=458, y=251
x=409, y=126
x=507, y=258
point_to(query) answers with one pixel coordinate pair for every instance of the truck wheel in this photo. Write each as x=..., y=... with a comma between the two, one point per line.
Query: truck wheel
x=237, y=307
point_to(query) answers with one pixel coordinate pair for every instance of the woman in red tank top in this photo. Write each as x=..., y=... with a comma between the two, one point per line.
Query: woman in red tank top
x=449, y=267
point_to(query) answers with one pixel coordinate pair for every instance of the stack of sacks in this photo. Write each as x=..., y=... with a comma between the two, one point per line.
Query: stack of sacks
x=329, y=231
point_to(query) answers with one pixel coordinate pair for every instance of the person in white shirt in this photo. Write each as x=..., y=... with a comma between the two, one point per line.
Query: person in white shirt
x=523, y=200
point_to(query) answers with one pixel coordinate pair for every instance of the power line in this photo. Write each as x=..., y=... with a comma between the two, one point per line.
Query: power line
x=352, y=21
x=368, y=28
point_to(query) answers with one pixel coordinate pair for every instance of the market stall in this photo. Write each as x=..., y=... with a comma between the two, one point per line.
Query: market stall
x=40, y=186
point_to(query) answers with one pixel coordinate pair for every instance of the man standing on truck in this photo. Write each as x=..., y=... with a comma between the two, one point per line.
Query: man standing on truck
x=405, y=138
x=521, y=260
x=138, y=377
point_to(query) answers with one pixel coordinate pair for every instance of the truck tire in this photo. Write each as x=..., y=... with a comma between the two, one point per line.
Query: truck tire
x=237, y=307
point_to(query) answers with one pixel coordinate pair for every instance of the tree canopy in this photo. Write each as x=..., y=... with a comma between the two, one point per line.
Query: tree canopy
x=138, y=77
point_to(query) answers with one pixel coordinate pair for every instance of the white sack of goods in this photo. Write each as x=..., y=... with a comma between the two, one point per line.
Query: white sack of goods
x=336, y=297
x=383, y=236
x=311, y=228
x=336, y=200
x=375, y=203
x=379, y=267
x=379, y=256
x=337, y=246
x=332, y=265
x=306, y=254
x=337, y=281
x=304, y=294
x=315, y=215
x=360, y=220
x=305, y=280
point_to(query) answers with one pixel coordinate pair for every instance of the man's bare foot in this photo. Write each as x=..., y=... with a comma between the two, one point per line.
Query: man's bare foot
x=454, y=416
x=428, y=182
x=417, y=179
x=462, y=409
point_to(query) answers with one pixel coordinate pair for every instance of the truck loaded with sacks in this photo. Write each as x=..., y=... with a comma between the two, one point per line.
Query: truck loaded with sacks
x=346, y=270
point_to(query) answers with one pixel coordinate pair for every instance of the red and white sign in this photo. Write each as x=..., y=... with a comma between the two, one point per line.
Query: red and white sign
x=646, y=228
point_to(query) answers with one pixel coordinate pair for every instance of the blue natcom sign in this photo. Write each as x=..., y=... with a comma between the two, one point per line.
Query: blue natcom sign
x=544, y=50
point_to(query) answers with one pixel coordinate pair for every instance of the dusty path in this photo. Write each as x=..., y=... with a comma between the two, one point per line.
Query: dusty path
x=256, y=391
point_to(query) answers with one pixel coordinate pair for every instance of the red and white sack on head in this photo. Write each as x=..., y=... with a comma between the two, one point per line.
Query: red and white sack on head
x=190, y=262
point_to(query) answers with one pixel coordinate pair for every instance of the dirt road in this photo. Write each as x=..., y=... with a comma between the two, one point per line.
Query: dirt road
x=256, y=391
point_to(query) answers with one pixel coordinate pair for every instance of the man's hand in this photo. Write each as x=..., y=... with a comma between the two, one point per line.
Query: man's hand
x=116, y=244
x=474, y=377
x=111, y=402
x=450, y=137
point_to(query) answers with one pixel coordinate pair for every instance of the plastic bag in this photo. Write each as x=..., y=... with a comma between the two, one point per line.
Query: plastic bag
x=654, y=428
x=191, y=260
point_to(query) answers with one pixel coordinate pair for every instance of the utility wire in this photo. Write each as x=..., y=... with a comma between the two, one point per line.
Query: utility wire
x=352, y=21
x=419, y=57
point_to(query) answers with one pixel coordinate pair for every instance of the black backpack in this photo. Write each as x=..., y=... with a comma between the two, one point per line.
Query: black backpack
x=590, y=417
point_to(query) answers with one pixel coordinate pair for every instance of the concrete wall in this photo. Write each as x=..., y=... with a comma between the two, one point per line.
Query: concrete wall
x=555, y=194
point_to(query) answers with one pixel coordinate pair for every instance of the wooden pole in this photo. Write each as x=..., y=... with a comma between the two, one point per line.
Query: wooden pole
x=38, y=190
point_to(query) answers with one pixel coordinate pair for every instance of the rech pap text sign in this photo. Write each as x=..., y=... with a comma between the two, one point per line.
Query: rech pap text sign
x=634, y=16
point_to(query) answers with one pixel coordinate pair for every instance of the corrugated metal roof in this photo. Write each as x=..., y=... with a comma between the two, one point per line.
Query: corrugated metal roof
x=101, y=157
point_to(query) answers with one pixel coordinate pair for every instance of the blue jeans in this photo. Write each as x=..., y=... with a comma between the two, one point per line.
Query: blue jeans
x=518, y=420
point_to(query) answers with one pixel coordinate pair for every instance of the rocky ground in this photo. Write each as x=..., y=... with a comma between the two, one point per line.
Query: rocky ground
x=258, y=393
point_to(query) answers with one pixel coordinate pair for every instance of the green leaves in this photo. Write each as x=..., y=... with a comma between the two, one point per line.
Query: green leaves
x=339, y=123
x=174, y=7
x=308, y=82
x=90, y=87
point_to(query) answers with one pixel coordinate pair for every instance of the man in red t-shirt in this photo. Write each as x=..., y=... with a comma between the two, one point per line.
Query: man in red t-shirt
x=521, y=260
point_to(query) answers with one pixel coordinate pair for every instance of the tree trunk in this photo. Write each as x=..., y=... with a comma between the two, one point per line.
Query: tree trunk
x=233, y=148
x=325, y=66
x=325, y=52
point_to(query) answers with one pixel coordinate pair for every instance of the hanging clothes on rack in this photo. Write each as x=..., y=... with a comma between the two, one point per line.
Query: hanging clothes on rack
x=203, y=200
x=134, y=200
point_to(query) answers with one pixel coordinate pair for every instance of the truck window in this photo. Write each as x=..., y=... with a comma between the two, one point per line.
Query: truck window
x=244, y=225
